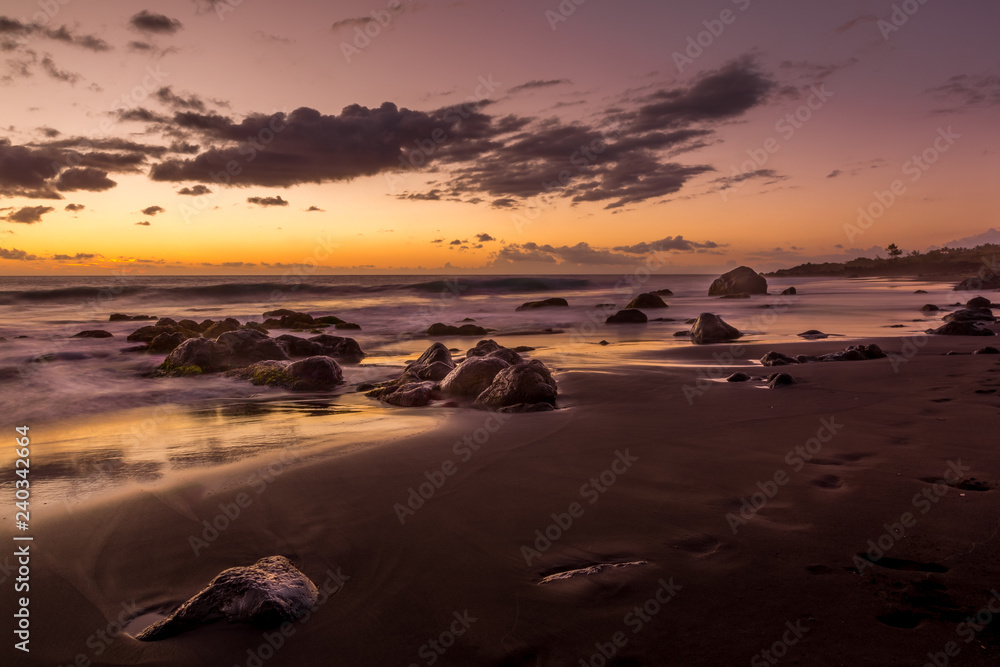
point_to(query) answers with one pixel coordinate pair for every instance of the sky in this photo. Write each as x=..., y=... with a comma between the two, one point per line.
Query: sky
x=581, y=136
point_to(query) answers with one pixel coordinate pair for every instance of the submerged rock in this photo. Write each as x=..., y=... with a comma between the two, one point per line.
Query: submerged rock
x=93, y=333
x=662, y=292
x=629, y=316
x=554, y=302
x=929, y=308
x=738, y=377
x=741, y=279
x=987, y=350
x=963, y=328
x=122, y=317
x=813, y=334
x=850, y=353
x=978, y=302
x=312, y=374
x=268, y=593
x=789, y=291
x=647, y=300
x=970, y=315
x=710, y=328
x=441, y=329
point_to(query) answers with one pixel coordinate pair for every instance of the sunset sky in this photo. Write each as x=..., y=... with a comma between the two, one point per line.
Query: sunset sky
x=502, y=136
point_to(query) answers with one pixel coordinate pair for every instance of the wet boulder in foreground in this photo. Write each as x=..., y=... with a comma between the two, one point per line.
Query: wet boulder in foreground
x=742, y=279
x=530, y=382
x=710, y=328
x=471, y=377
x=268, y=593
x=312, y=374
x=628, y=316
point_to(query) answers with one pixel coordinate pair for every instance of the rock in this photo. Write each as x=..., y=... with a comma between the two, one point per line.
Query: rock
x=296, y=346
x=851, y=353
x=964, y=328
x=527, y=407
x=544, y=303
x=679, y=334
x=329, y=319
x=166, y=322
x=741, y=279
x=789, y=291
x=471, y=377
x=780, y=380
x=225, y=326
x=195, y=356
x=147, y=334
x=813, y=334
x=604, y=342
x=605, y=306
x=312, y=374
x=280, y=312
x=467, y=319
x=121, y=317
x=970, y=315
x=647, y=300
x=523, y=348
x=191, y=325
x=990, y=281
x=434, y=364
x=630, y=316
x=268, y=593
x=774, y=358
x=662, y=292
x=738, y=377
x=483, y=348
x=987, y=350
x=440, y=329
x=929, y=308
x=529, y=382
x=247, y=346
x=165, y=342
x=345, y=349
x=93, y=333
x=921, y=291
x=347, y=325
x=710, y=328
x=256, y=326
x=411, y=394
x=977, y=302
x=739, y=295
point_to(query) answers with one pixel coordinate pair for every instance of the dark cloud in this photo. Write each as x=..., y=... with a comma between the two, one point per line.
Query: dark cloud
x=12, y=29
x=179, y=102
x=267, y=201
x=430, y=195
x=153, y=210
x=677, y=243
x=28, y=215
x=834, y=174
x=14, y=253
x=195, y=191
x=438, y=241
x=75, y=207
x=49, y=132
x=965, y=91
x=537, y=83
x=49, y=66
x=504, y=202
x=351, y=22
x=142, y=115
x=770, y=176
x=864, y=18
x=315, y=209
x=457, y=242
x=77, y=256
x=84, y=178
x=483, y=238
x=721, y=94
x=155, y=23
x=143, y=223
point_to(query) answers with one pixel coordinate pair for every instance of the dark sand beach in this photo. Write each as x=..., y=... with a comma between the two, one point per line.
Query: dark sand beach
x=849, y=519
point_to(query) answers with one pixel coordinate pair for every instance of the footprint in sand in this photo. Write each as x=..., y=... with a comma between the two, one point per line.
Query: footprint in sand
x=698, y=546
x=829, y=482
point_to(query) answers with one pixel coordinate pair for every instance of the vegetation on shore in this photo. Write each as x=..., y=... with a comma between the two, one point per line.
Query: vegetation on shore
x=980, y=262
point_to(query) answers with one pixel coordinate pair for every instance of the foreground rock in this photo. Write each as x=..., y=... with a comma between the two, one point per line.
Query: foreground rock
x=742, y=279
x=710, y=328
x=345, y=349
x=851, y=353
x=554, y=302
x=492, y=375
x=780, y=380
x=236, y=349
x=647, y=300
x=311, y=374
x=630, y=316
x=268, y=593
x=440, y=329
x=964, y=328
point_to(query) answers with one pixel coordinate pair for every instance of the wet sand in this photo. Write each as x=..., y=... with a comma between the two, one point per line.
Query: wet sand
x=632, y=471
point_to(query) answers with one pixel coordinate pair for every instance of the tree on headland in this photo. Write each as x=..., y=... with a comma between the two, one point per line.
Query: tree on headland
x=893, y=250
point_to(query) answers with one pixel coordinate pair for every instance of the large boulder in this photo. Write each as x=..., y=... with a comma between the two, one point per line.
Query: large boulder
x=166, y=342
x=312, y=374
x=529, y=382
x=977, y=302
x=344, y=349
x=147, y=333
x=471, y=377
x=483, y=348
x=196, y=355
x=268, y=593
x=628, y=316
x=646, y=300
x=742, y=279
x=963, y=328
x=710, y=328
x=219, y=328
x=410, y=394
x=554, y=302
x=247, y=346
